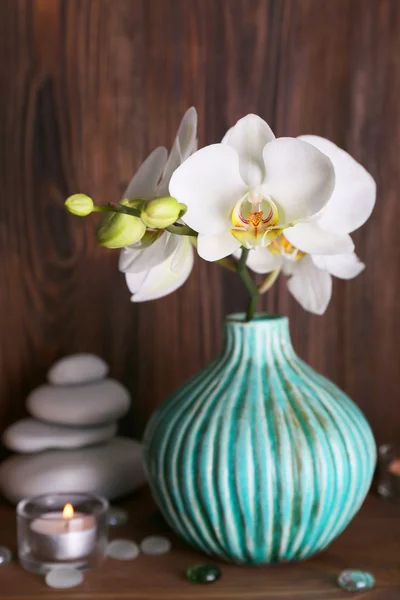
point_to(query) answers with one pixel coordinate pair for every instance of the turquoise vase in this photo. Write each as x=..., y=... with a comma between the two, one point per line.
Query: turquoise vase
x=258, y=459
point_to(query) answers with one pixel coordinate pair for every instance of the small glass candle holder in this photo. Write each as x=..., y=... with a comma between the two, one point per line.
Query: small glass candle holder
x=389, y=472
x=62, y=530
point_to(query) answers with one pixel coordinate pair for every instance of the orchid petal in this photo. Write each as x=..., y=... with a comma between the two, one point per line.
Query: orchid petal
x=252, y=238
x=289, y=267
x=310, y=238
x=209, y=183
x=261, y=260
x=299, y=178
x=161, y=280
x=311, y=286
x=344, y=266
x=135, y=259
x=184, y=145
x=143, y=184
x=135, y=281
x=353, y=199
x=180, y=255
x=173, y=162
x=215, y=247
x=249, y=137
x=187, y=132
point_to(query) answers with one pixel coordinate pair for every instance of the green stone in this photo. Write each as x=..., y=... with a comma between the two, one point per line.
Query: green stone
x=354, y=581
x=203, y=573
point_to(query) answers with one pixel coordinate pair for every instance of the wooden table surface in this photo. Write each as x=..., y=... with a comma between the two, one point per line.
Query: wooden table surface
x=371, y=542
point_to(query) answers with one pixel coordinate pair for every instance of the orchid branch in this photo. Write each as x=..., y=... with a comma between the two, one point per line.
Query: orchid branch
x=180, y=229
x=175, y=228
x=117, y=208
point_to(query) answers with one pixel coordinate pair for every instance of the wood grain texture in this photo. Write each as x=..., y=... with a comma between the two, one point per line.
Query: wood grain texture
x=371, y=542
x=89, y=87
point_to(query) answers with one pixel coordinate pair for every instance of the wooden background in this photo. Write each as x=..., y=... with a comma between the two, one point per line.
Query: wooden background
x=89, y=87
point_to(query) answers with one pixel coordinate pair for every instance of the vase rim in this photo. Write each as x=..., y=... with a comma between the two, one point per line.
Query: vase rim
x=240, y=319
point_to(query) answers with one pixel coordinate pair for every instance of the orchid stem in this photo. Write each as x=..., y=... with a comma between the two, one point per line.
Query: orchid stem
x=176, y=228
x=249, y=283
x=117, y=208
x=97, y=208
x=179, y=229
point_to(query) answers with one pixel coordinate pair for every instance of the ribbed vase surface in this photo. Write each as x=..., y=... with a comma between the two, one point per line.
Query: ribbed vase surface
x=258, y=459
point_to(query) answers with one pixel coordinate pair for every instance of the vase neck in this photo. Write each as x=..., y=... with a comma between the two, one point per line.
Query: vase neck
x=265, y=336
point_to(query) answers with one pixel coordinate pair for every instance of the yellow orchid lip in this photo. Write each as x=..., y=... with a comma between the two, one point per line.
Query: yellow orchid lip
x=250, y=227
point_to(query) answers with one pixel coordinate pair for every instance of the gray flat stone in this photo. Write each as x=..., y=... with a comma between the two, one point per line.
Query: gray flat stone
x=112, y=470
x=77, y=368
x=30, y=435
x=81, y=405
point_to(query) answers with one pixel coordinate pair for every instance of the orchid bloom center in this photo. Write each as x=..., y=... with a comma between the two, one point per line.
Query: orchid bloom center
x=254, y=219
x=282, y=247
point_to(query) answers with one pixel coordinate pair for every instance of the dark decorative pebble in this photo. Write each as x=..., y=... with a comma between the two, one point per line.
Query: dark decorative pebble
x=203, y=573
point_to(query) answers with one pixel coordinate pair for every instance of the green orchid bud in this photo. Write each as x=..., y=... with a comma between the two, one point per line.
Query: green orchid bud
x=117, y=230
x=161, y=212
x=79, y=204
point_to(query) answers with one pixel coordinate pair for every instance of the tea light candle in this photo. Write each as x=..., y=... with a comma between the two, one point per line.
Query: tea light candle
x=66, y=535
x=65, y=529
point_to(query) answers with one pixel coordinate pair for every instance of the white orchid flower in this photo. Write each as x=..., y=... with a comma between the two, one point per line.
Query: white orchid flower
x=165, y=277
x=161, y=262
x=308, y=252
x=251, y=187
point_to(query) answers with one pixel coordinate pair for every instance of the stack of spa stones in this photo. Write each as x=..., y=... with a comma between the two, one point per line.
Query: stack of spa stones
x=69, y=443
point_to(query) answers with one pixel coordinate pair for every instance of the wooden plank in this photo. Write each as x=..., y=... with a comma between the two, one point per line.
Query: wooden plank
x=89, y=87
x=371, y=542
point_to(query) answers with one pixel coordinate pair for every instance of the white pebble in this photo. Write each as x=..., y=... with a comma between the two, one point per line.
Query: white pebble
x=77, y=368
x=5, y=555
x=122, y=550
x=155, y=544
x=63, y=577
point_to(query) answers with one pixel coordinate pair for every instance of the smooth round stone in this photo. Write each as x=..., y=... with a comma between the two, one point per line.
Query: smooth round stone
x=80, y=405
x=63, y=577
x=117, y=516
x=354, y=581
x=122, y=550
x=386, y=451
x=203, y=573
x=30, y=435
x=155, y=544
x=385, y=490
x=111, y=470
x=5, y=555
x=77, y=368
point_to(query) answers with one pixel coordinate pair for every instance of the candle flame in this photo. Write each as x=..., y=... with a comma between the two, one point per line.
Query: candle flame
x=68, y=511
